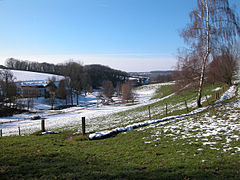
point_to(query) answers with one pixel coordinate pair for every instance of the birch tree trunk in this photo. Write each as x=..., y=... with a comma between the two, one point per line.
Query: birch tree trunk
x=206, y=54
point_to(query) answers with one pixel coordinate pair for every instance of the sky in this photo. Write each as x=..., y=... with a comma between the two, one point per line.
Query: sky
x=129, y=35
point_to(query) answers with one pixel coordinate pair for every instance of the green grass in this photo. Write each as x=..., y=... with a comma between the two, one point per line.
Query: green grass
x=163, y=91
x=125, y=156
x=175, y=106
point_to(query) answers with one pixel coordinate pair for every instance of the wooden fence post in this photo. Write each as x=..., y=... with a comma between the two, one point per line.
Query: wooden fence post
x=19, y=131
x=83, y=126
x=43, y=125
x=1, y=132
x=186, y=105
x=149, y=112
x=166, y=110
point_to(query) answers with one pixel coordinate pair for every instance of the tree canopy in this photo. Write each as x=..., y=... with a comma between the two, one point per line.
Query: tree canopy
x=213, y=25
x=82, y=77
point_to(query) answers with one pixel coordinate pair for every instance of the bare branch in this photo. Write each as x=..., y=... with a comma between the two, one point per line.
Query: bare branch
x=213, y=24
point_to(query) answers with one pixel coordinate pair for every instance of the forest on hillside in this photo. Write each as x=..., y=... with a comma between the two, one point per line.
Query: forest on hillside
x=94, y=74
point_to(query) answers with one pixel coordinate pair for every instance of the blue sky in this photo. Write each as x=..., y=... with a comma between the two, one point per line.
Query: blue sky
x=131, y=35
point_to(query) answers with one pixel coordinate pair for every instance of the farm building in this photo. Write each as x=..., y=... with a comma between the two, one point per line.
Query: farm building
x=34, y=88
x=138, y=81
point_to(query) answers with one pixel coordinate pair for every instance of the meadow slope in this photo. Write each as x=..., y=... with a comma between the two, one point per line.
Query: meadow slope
x=201, y=146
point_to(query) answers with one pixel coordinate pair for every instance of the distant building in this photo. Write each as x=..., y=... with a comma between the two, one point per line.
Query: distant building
x=34, y=88
x=138, y=81
x=151, y=74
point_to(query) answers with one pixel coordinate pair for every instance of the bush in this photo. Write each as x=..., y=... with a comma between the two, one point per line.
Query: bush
x=222, y=68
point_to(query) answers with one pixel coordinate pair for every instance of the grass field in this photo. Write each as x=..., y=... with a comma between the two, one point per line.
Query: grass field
x=203, y=146
x=164, y=95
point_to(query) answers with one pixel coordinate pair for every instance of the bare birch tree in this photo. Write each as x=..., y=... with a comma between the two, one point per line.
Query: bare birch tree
x=213, y=24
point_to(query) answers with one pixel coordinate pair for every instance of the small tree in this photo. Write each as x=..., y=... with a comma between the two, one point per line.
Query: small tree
x=75, y=72
x=8, y=86
x=222, y=68
x=187, y=71
x=127, y=93
x=108, y=89
x=62, y=91
x=89, y=88
x=99, y=97
x=119, y=89
x=52, y=90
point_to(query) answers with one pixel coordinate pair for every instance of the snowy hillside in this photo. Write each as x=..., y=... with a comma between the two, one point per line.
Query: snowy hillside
x=30, y=76
x=103, y=117
x=71, y=118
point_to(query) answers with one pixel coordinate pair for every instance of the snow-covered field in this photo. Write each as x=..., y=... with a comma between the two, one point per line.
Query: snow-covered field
x=71, y=118
x=214, y=129
x=102, y=117
x=227, y=95
x=30, y=76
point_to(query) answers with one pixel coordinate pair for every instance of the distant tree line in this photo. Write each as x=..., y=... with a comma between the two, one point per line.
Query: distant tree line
x=161, y=78
x=89, y=75
x=2, y=67
x=78, y=79
x=16, y=64
x=99, y=73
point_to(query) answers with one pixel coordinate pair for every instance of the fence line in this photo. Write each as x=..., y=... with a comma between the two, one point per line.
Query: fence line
x=43, y=128
x=12, y=121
